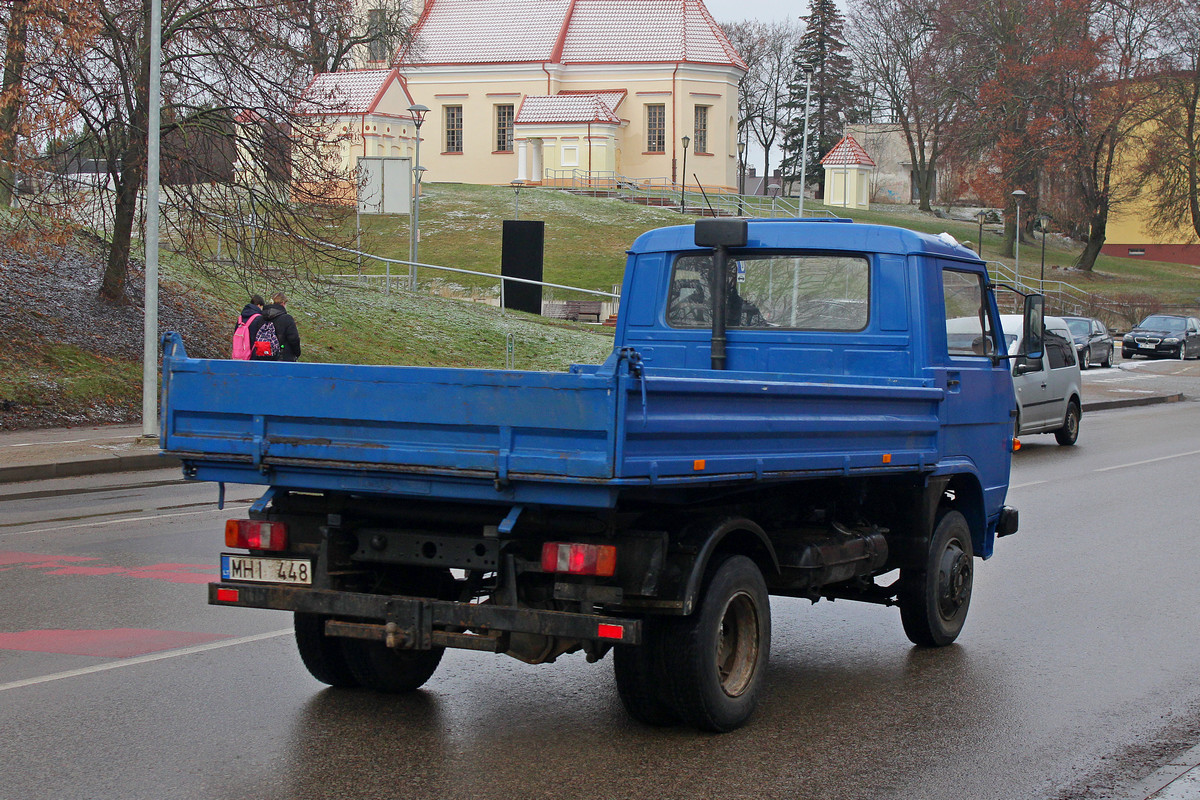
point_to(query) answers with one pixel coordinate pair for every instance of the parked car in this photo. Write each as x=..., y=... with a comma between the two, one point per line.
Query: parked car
x=1093, y=342
x=1049, y=397
x=1165, y=336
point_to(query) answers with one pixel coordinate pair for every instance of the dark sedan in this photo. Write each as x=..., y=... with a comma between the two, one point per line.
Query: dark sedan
x=1165, y=336
x=1093, y=342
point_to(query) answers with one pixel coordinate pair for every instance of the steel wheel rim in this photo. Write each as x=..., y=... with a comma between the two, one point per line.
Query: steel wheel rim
x=737, y=644
x=954, y=580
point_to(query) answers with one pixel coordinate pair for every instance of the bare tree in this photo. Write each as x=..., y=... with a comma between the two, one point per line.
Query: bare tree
x=895, y=44
x=762, y=94
x=1172, y=164
x=1105, y=111
x=233, y=73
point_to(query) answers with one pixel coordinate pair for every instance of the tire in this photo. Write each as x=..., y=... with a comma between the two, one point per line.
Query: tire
x=641, y=680
x=1069, y=432
x=1183, y=352
x=1085, y=360
x=1126, y=354
x=717, y=657
x=383, y=669
x=1108, y=359
x=322, y=655
x=934, y=599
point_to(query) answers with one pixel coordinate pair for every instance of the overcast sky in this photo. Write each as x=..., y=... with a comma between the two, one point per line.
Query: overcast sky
x=764, y=10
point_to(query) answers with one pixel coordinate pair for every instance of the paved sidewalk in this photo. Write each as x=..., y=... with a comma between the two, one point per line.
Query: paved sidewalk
x=67, y=452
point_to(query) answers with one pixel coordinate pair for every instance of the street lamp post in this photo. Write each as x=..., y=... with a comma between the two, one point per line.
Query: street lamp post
x=683, y=178
x=418, y=112
x=517, y=184
x=808, y=73
x=1018, y=195
x=1043, y=222
x=741, y=147
x=979, y=248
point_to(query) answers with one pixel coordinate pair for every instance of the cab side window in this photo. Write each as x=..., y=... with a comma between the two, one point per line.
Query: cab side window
x=969, y=329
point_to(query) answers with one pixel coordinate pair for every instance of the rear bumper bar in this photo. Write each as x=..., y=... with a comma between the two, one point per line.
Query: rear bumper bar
x=421, y=623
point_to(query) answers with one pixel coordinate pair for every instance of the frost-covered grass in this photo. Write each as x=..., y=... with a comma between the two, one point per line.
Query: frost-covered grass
x=368, y=327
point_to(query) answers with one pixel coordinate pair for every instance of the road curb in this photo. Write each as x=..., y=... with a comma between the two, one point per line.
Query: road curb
x=1159, y=785
x=90, y=465
x=1130, y=402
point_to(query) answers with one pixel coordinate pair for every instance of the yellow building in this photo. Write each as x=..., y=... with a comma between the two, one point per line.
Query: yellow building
x=1128, y=233
x=546, y=91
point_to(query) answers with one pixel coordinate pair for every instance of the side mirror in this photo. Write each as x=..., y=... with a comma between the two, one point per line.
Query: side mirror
x=1034, y=338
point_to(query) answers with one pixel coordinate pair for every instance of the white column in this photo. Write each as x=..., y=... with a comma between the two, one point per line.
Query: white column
x=538, y=173
x=522, y=164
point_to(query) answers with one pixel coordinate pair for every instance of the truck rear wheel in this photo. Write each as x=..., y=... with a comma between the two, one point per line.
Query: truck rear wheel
x=641, y=679
x=322, y=655
x=716, y=657
x=934, y=599
x=383, y=669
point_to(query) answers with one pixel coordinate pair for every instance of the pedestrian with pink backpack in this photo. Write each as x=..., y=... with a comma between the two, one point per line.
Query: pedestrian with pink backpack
x=246, y=328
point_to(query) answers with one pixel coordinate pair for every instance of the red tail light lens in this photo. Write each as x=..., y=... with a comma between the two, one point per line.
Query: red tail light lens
x=579, y=559
x=252, y=534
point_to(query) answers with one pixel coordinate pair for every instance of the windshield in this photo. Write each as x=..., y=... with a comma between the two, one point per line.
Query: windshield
x=1161, y=322
x=1079, y=327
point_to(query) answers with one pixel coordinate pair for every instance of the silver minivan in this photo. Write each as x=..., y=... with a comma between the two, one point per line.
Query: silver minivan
x=1049, y=397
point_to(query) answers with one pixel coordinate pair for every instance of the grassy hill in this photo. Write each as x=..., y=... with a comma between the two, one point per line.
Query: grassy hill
x=68, y=359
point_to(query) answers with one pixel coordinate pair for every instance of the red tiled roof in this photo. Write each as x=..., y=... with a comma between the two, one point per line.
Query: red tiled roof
x=568, y=31
x=847, y=152
x=348, y=92
x=572, y=107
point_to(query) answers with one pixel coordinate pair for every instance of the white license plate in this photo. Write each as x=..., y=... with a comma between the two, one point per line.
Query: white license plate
x=1145, y=346
x=261, y=569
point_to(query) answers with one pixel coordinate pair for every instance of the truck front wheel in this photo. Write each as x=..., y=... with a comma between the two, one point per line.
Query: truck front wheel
x=934, y=599
x=716, y=657
x=322, y=655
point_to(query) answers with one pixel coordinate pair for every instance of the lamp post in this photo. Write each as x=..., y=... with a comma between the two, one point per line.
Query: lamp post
x=1018, y=195
x=741, y=147
x=979, y=248
x=683, y=178
x=150, y=313
x=1043, y=223
x=418, y=112
x=808, y=73
x=517, y=184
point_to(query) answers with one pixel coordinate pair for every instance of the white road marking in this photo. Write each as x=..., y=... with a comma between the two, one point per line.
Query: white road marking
x=1148, y=461
x=131, y=662
x=1023, y=485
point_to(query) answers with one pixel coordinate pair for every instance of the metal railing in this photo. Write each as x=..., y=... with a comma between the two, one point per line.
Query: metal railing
x=1062, y=299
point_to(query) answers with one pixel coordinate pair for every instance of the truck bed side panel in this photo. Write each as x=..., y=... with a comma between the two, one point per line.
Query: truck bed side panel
x=425, y=418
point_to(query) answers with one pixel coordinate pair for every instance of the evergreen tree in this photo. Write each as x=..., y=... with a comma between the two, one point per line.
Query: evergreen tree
x=834, y=94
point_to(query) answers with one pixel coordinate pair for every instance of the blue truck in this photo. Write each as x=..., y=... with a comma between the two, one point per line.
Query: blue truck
x=800, y=408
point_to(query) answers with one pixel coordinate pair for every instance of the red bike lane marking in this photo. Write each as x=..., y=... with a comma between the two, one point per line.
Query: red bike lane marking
x=112, y=643
x=88, y=566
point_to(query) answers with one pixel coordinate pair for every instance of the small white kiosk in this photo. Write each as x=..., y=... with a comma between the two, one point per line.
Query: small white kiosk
x=848, y=175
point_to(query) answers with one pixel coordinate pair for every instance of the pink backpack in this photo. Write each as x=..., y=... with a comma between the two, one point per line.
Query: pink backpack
x=241, y=338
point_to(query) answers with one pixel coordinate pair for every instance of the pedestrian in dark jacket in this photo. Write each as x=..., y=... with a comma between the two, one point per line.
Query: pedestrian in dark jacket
x=285, y=328
x=255, y=306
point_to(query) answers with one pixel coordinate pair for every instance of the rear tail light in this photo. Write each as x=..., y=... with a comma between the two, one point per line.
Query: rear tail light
x=579, y=559
x=1016, y=444
x=252, y=534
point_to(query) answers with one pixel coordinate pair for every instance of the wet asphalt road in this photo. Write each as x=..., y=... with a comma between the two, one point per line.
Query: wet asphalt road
x=1074, y=677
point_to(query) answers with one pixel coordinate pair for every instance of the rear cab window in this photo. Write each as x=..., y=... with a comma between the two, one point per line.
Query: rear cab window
x=809, y=291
